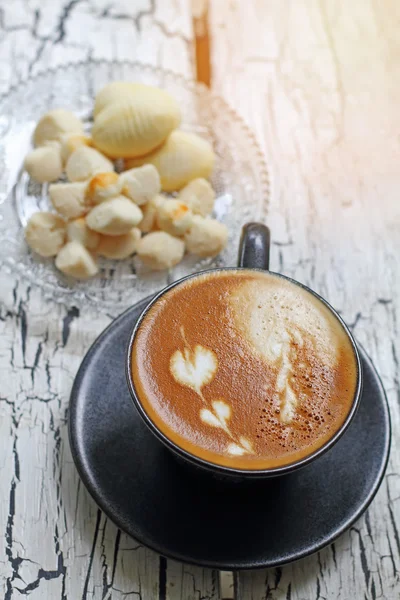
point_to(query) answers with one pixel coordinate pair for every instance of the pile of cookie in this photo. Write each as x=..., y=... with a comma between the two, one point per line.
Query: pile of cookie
x=99, y=212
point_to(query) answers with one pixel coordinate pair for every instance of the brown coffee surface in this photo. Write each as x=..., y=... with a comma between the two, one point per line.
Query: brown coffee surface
x=244, y=369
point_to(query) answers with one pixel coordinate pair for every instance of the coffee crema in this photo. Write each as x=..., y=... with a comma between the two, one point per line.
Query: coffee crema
x=244, y=369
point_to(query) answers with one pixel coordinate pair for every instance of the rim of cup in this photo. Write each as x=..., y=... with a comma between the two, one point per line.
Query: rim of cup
x=214, y=466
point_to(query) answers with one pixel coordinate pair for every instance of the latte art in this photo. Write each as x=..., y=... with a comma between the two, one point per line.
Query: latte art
x=193, y=368
x=252, y=371
x=196, y=369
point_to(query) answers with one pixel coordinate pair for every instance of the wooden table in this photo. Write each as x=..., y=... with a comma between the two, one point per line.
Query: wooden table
x=319, y=83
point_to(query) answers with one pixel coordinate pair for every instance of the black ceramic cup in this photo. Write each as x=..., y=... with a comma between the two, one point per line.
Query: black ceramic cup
x=253, y=254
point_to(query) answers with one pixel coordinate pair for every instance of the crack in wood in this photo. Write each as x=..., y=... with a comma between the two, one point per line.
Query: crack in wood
x=72, y=313
x=330, y=207
x=65, y=14
x=91, y=557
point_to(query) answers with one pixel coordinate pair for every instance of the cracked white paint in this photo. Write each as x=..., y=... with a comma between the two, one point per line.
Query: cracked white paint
x=330, y=134
x=330, y=129
x=56, y=543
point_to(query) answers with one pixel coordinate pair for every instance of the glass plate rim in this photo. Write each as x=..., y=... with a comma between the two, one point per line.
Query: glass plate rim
x=83, y=298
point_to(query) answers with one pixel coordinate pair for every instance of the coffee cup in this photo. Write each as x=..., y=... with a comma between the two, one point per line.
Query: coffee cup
x=244, y=372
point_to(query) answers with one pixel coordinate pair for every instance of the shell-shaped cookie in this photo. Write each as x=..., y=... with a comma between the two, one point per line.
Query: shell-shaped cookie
x=113, y=92
x=136, y=124
x=54, y=124
x=183, y=157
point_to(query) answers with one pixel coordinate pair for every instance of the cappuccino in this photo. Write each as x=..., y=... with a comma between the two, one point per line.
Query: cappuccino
x=244, y=369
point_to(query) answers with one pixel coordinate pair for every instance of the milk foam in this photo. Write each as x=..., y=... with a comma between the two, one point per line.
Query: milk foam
x=253, y=371
x=281, y=321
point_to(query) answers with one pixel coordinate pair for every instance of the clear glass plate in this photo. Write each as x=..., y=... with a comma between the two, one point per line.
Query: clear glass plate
x=241, y=178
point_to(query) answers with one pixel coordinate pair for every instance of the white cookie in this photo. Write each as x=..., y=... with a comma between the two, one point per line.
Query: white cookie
x=54, y=124
x=69, y=199
x=85, y=162
x=71, y=142
x=45, y=233
x=103, y=186
x=199, y=196
x=119, y=246
x=149, y=221
x=44, y=164
x=75, y=260
x=114, y=217
x=141, y=184
x=78, y=231
x=160, y=250
x=206, y=237
x=174, y=217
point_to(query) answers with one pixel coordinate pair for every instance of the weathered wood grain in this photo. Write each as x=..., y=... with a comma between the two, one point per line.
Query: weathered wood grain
x=35, y=35
x=318, y=83
x=57, y=544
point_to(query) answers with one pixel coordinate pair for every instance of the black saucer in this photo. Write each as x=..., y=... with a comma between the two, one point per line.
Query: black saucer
x=161, y=503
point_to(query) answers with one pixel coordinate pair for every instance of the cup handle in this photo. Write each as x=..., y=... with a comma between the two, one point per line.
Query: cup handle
x=254, y=247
